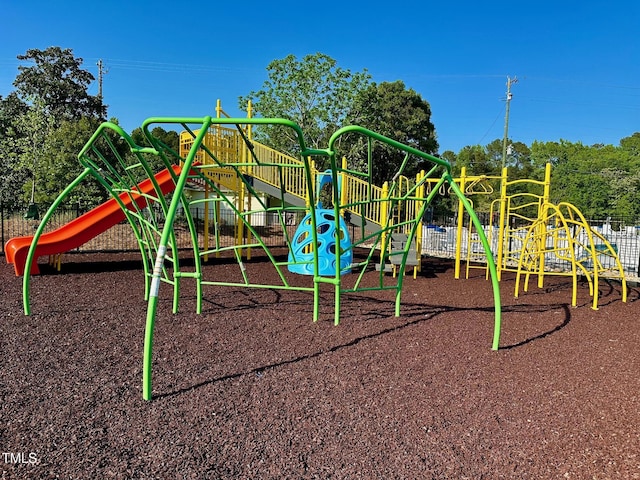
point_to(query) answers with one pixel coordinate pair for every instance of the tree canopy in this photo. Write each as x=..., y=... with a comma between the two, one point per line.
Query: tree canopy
x=57, y=80
x=601, y=180
x=313, y=92
x=14, y=176
x=399, y=113
x=45, y=123
x=321, y=97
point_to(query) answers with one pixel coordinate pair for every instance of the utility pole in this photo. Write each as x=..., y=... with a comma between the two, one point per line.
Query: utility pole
x=510, y=82
x=101, y=74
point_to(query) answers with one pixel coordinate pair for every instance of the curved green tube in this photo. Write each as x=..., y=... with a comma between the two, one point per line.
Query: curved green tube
x=34, y=243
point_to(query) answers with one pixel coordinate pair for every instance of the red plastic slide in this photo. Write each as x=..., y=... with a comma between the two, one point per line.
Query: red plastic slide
x=79, y=231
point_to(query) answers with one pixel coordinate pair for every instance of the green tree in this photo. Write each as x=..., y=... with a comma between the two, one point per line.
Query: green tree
x=35, y=127
x=449, y=156
x=313, y=92
x=12, y=173
x=11, y=107
x=58, y=81
x=631, y=145
x=493, y=162
x=399, y=113
x=45, y=123
x=624, y=192
x=169, y=138
x=58, y=165
x=577, y=174
x=519, y=160
x=477, y=161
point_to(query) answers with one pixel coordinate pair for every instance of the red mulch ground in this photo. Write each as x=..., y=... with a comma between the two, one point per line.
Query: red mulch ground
x=252, y=388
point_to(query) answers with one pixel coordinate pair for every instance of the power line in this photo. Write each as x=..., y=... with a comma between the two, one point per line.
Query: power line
x=142, y=65
x=491, y=127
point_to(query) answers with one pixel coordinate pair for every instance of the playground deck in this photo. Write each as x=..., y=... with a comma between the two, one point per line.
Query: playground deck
x=252, y=388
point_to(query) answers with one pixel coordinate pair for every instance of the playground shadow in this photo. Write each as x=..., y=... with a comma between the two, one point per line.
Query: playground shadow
x=433, y=266
x=259, y=370
x=538, y=309
x=89, y=262
x=414, y=313
x=609, y=291
x=92, y=262
x=71, y=266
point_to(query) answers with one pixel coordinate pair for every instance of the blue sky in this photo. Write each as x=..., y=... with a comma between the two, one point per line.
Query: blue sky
x=577, y=63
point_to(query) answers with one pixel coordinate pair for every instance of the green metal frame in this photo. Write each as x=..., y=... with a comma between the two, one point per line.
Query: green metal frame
x=446, y=177
x=154, y=226
x=103, y=160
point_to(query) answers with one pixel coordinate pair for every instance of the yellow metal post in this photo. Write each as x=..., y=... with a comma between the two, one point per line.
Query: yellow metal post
x=218, y=220
x=343, y=183
x=543, y=223
x=500, y=264
x=463, y=174
x=250, y=171
x=239, y=223
x=219, y=113
x=206, y=221
x=247, y=231
x=384, y=223
x=419, y=233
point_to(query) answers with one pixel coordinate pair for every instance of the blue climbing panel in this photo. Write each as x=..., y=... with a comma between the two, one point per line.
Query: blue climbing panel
x=301, y=253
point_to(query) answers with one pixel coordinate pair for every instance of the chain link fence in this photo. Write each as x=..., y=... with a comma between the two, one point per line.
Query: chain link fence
x=120, y=238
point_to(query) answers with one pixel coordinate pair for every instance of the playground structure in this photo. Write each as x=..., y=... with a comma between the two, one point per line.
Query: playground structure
x=211, y=158
x=565, y=241
x=533, y=236
x=219, y=165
